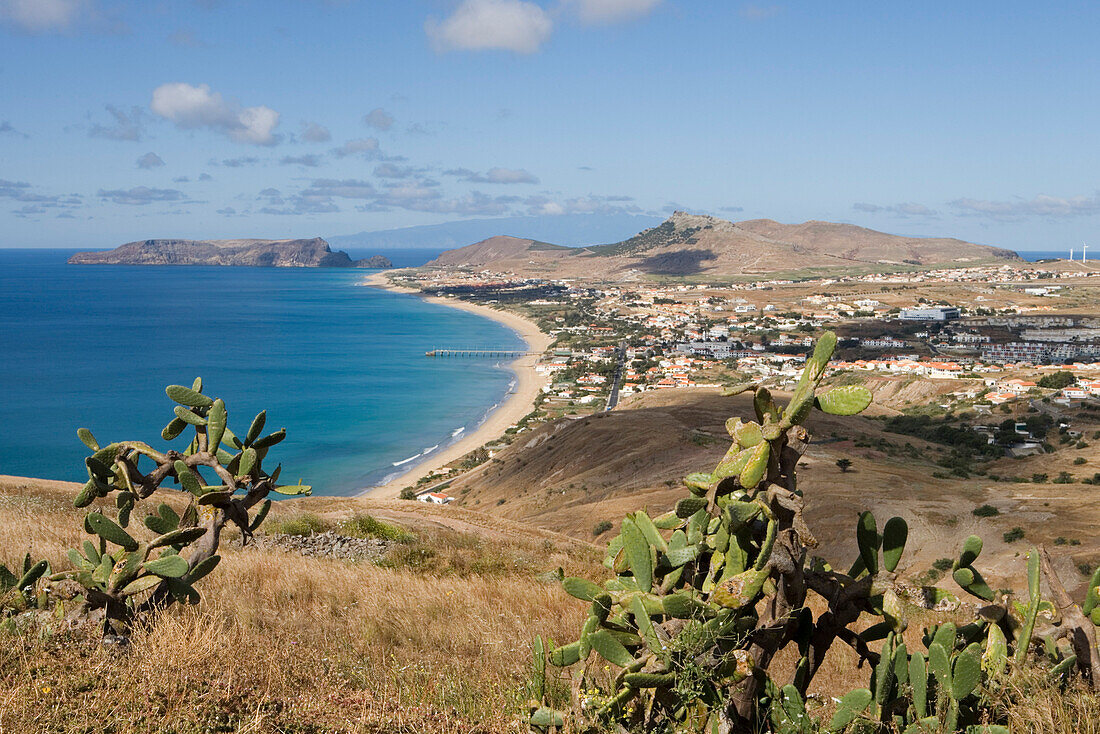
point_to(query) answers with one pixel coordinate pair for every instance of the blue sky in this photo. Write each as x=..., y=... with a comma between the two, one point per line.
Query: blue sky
x=225, y=118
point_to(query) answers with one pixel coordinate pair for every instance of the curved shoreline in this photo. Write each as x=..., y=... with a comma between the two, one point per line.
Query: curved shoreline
x=515, y=406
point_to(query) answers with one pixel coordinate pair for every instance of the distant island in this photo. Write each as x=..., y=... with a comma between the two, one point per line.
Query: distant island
x=311, y=253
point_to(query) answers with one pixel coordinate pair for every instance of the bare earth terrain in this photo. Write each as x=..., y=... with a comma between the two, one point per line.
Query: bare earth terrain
x=690, y=245
x=570, y=475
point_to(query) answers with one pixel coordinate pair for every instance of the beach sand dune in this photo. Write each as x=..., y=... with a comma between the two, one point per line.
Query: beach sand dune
x=518, y=403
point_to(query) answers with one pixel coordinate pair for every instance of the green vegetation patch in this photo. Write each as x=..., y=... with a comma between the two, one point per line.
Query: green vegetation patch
x=365, y=526
x=304, y=524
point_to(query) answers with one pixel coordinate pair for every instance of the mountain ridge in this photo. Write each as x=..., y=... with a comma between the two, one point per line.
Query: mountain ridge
x=698, y=244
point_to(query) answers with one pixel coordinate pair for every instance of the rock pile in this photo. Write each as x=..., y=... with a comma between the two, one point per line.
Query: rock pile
x=327, y=544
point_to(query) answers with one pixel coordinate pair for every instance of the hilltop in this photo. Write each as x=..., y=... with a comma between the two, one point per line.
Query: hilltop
x=303, y=253
x=693, y=244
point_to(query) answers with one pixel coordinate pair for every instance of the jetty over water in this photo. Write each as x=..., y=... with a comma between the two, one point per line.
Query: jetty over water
x=484, y=353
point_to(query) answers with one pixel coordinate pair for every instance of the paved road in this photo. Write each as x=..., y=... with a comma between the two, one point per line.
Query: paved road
x=613, y=397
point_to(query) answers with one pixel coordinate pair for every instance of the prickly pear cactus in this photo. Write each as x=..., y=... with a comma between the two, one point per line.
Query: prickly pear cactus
x=682, y=621
x=682, y=637
x=21, y=590
x=127, y=568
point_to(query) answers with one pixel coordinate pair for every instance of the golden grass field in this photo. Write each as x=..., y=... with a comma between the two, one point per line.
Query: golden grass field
x=292, y=644
x=437, y=637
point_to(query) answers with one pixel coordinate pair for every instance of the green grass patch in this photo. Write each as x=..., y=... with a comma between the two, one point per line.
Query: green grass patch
x=365, y=526
x=305, y=524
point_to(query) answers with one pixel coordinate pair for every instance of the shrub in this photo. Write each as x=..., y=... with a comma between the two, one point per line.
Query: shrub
x=1057, y=380
x=365, y=526
x=305, y=524
x=985, y=511
x=1013, y=535
x=1080, y=460
x=602, y=527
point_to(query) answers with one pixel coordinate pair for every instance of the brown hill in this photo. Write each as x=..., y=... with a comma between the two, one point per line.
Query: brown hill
x=498, y=250
x=569, y=475
x=692, y=244
x=859, y=243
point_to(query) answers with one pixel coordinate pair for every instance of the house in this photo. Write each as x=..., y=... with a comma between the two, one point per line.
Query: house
x=1075, y=393
x=436, y=498
x=998, y=398
x=1018, y=386
x=1092, y=386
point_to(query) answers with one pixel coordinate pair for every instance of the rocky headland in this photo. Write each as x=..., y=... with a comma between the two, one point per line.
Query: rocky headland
x=304, y=253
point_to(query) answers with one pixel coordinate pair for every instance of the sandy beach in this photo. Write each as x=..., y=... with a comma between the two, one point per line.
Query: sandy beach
x=519, y=402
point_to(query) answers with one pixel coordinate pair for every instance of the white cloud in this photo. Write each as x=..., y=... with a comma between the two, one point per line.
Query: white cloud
x=365, y=146
x=510, y=176
x=313, y=132
x=905, y=209
x=127, y=126
x=379, y=119
x=1041, y=206
x=753, y=11
x=478, y=25
x=391, y=170
x=348, y=188
x=186, y=38
x=191, y=107
x=311, y=160
x=595, y=12
x=590, y=204
x=140, y=195
x=150, y=160
x=494, y=175
x=41, y=16
x=22, y=192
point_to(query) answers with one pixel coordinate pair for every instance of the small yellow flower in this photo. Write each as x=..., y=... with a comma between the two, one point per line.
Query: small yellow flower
x=46, y=689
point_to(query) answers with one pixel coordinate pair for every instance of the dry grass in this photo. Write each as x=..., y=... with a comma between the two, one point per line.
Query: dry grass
x=437, y=640
x=291, y=644
x=1034, y=704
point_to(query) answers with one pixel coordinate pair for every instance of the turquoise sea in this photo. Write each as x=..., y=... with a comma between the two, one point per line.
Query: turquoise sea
x=340, y=365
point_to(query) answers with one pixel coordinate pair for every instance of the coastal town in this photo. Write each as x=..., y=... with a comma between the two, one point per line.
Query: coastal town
x=984, y=340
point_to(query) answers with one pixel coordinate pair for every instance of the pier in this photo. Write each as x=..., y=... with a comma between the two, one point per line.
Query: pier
x=490, y=353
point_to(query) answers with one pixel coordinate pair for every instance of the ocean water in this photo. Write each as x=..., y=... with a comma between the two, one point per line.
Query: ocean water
x=1036, y=255
x=341, y=366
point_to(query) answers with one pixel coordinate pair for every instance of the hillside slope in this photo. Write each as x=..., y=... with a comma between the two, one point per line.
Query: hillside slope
x=690, y=244
x=500, y=251
x=283, y=642
x=570, y=475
